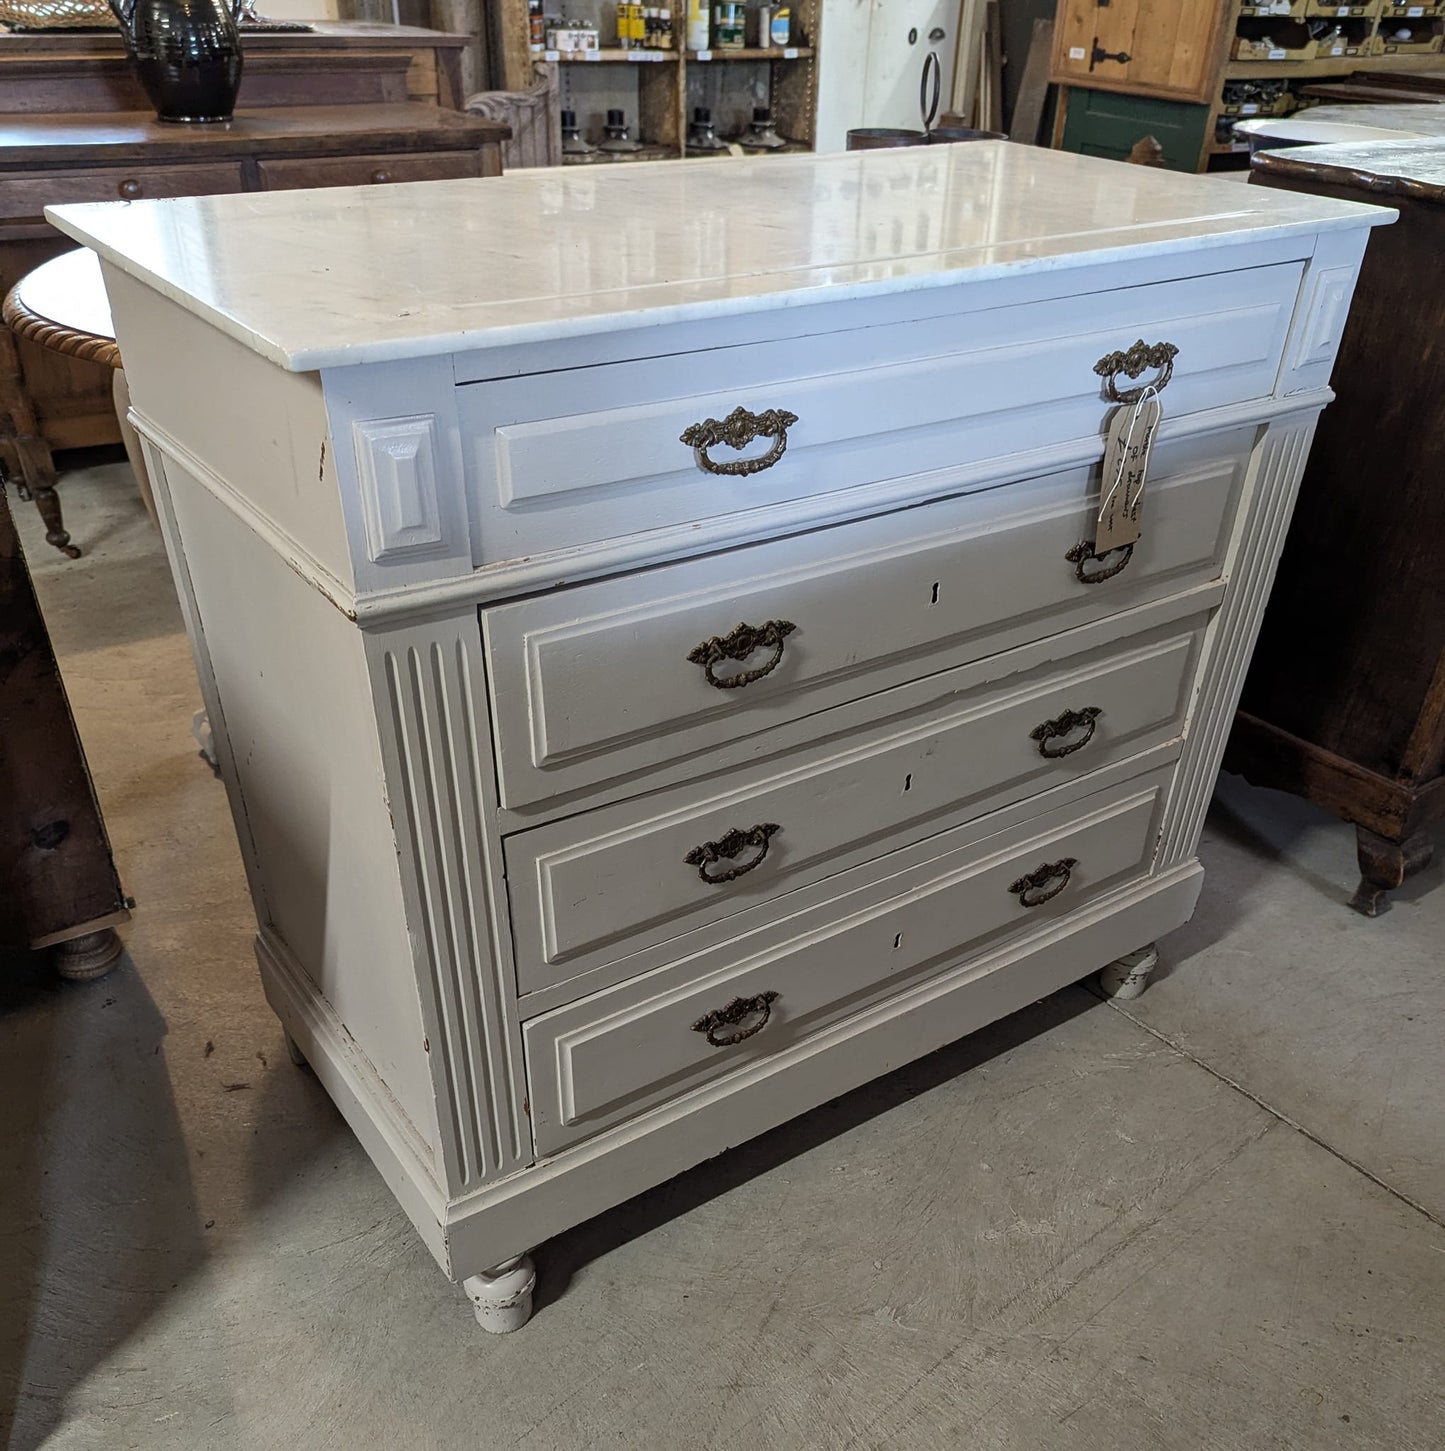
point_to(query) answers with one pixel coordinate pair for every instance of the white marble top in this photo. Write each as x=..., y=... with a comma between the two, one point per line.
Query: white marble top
x=316, y=279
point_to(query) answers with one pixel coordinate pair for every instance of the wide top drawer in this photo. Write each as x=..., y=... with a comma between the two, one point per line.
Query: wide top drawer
x=576, y=457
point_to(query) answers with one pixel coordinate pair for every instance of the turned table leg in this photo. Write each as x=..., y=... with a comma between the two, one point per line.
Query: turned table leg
x=1384, y=865
x=1126, y=977
x=23, y=440
x=502, y=1296
x=83, y=959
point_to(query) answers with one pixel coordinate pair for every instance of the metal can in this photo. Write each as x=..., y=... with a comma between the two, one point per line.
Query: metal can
x=729, y=25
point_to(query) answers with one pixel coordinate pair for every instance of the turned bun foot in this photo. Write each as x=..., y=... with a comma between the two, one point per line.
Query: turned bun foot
x=83, y=959
x=1384, y=865
x=1126, y=977
x=502, y=1297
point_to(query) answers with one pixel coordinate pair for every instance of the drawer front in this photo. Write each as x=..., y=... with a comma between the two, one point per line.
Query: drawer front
x=29, y=195
x=617, y=1053
x=290, y=174
x=589, y=889
x=937, y=395
x=604, y=680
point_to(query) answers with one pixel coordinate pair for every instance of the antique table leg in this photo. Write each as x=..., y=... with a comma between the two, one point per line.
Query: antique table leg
x=1126, y=977
x=22, y=435
x=1384, y=865
x=82, y=959
x=502, y=1297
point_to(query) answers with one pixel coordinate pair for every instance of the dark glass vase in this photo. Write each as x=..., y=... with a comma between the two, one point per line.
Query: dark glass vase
x=187, y=54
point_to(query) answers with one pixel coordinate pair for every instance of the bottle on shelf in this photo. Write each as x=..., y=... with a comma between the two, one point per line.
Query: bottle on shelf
x=536, y=25
x=772, y=25
x=697, y=34
x=618, y=139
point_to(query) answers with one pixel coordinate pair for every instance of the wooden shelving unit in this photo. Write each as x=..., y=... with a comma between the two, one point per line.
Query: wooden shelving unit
x=658, y=89
x=1135, y=68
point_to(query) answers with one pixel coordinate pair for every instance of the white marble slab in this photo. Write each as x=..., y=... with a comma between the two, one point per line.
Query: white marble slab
x=316, y=279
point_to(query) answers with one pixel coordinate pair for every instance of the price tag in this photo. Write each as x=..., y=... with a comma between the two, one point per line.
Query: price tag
x=1249, y=108
x=1337, y=50
x=1276, y=55
x=704, y=55
x=644, y=55
x=1127, y=448
x=1343, y=10
x=1077, y=52
x=1415, y=10
x=790, y=52
x=552, y=55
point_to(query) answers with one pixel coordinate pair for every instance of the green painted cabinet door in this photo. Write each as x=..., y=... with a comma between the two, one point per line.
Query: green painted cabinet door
x=1104, y=123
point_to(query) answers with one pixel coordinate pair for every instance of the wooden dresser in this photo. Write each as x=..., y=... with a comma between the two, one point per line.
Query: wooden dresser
x=675, y=684
x=1345, y=703
x=347, y=105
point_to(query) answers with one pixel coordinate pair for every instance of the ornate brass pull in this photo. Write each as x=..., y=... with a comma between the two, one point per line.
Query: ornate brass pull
x=1064, y=725
x=734, y=1014
x=738, y=646
x=1033, y=890
x=1083, y=553
x=738, y=430
x=1132, y=362
x=728, y=846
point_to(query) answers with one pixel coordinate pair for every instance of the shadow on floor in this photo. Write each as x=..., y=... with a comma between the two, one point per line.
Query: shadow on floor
x=98, y=1219
x=569, y=1252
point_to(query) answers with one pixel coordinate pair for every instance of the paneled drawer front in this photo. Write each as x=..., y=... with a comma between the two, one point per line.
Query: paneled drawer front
x=284, y=175
x=589, y=889
x=29, y=195
x=602, y=680
x=938, y=394
x=609, y=1056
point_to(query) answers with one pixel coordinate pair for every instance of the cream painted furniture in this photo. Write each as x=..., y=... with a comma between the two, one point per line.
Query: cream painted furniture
x=656, y=659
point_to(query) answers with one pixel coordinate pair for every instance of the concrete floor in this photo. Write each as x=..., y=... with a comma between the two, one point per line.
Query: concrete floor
x=1208, y=1219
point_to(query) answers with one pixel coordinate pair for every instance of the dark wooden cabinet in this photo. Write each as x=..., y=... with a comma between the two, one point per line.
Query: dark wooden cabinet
x=1345, y=700
x=345, y=105
x=57, y=879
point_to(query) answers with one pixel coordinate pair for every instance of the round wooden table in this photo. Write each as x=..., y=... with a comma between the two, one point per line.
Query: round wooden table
x=61, y=305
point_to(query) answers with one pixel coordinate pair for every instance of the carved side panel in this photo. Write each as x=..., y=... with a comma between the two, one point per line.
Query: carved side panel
x=1250, y=567
x=429, y=683
x=396, y=468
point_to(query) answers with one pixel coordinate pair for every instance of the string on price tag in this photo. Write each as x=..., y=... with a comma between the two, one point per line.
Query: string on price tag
x=1127, y=449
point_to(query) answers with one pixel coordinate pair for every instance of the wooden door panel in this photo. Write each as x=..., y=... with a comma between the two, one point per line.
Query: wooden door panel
x=1171, y=49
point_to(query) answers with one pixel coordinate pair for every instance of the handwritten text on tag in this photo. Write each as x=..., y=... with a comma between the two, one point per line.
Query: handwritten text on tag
x=1127, y=447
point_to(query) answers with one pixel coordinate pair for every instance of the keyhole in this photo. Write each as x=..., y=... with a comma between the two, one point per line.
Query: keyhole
x=913, y=36
x=898, y=941
x=934, y=599
x=908, y=782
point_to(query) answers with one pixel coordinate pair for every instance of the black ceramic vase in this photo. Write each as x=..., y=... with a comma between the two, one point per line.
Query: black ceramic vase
x=187, y=53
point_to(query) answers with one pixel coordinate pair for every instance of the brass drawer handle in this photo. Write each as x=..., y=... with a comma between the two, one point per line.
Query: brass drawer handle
x=738, y=646
x=1034, y=890
x=1083, y=554
x=1132, y=362
x=1065, y=725
x=129, y=189
x=734, y=1014
x=728, y=846
x=738, y=430
x=380, y=177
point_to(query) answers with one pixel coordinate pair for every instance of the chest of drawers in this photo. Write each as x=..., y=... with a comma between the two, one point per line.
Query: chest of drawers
x=659, y=663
